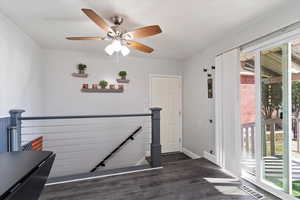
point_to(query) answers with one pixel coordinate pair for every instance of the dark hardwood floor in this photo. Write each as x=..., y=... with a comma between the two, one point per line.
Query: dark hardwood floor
x=167, y=158
x=185, y=179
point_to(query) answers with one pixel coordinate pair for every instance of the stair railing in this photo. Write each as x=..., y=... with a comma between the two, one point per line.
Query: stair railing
x=16, y=121
x=130, y=137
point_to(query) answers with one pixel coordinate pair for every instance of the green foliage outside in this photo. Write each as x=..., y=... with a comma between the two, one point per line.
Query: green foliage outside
x=272, y=105
x=296, y=98
x=271, y=99
x=278, y=182
x=296, y=188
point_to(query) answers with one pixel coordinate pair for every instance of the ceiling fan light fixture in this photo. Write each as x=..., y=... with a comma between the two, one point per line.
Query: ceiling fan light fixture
x=125, y=50
x=117, y=46
x=119, y=35
x=109, y=49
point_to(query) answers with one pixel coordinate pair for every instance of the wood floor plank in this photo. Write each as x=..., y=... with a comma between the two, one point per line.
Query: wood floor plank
x=184, y=180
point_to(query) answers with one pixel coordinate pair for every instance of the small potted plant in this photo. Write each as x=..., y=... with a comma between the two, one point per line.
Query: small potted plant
x=85, y=86
x=123, y=75
x=111, y=86
x=95, y=86
x=81, y=68
x=103, y=84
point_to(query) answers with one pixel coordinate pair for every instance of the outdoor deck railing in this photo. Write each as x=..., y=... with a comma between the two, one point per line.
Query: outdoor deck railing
x=247, y=131
x=272, y=126
x=248, y=135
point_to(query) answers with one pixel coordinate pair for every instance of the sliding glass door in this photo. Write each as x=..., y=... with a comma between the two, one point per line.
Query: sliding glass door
x=270, y=137
x=275, y=118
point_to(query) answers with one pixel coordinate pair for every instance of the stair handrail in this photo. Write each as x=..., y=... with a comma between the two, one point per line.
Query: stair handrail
x=130, y=137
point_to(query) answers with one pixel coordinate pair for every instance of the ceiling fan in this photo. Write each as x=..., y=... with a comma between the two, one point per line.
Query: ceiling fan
x=120, y=37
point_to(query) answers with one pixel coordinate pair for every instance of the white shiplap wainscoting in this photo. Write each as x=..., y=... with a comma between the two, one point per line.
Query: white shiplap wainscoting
x=80, y=144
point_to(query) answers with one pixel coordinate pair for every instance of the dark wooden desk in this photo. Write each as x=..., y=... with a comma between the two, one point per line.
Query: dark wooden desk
x=23, y=174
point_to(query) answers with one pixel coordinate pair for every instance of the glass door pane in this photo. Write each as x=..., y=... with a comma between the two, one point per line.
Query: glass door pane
x=295, y=115
x=248, y=113
x=275, y=117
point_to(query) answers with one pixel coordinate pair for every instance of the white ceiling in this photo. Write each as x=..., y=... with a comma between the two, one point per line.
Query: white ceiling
x=188, y=25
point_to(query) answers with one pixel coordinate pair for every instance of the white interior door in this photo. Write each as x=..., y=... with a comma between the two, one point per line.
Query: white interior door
x=166, y=93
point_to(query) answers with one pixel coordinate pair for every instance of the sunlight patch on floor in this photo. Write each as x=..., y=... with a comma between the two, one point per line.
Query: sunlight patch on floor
x=231, y=190
x=222, y=180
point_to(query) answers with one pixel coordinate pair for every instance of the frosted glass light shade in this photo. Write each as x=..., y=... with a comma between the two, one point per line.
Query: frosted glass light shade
x=125, y=51
x=109, y=49
x=117, y=45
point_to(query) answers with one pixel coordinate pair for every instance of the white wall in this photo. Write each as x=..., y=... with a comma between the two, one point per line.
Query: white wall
x=79, y=147
x=62, y=91
x=40, y=82
x=195, y=107
x=20, y=70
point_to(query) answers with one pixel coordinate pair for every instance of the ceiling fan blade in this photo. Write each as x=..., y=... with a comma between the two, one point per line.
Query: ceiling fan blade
x=145, y=32
x=85, y=38
x=97, y=19
x=139, y=46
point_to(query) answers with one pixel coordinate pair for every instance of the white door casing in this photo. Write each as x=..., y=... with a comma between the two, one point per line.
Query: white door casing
x=165, y=92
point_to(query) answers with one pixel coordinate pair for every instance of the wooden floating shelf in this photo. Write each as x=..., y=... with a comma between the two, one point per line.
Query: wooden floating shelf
x=99, y=90
x=122, y=81
x=79, y=75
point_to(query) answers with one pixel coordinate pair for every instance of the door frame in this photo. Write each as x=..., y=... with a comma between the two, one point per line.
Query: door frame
x=179, y=77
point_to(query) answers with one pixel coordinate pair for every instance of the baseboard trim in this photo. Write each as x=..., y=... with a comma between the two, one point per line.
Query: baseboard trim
x=190, y=153
x=210, y=157
x=102, y=176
